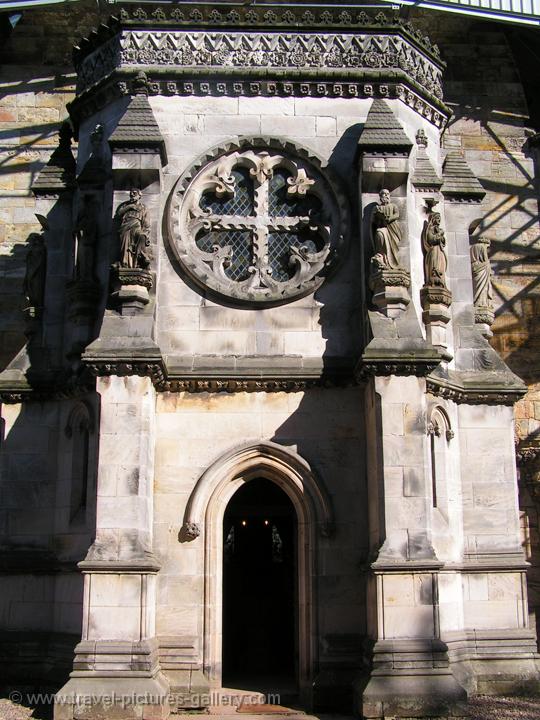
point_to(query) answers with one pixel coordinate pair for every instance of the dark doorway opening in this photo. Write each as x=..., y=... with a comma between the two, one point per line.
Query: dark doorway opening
x=260, y=635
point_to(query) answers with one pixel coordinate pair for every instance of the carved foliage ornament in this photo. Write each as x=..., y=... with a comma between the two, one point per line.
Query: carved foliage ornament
x=257, y=224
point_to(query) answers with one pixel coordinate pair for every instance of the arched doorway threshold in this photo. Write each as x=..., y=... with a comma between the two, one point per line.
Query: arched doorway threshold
x=204, y=516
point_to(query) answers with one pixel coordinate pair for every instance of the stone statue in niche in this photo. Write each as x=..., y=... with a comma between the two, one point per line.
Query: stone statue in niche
x=435, y=296
x=481, y=271
x=133, y=232
x=86, y=234
x=387, y=233
x=388, y=280
x=482, y=287
x=36, y=269
x=434, y=245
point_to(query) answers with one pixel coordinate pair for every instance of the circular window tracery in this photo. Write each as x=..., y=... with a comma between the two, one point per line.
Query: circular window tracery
x=260, y=225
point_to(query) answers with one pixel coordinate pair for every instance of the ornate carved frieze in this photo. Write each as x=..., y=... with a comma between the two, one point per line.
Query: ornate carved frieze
x=378, y=59
x=528, y=462
x=193, y=16
x=156, y=371
x=255, y=52
x=143, y=367
x=474, y=395
x=258, y=223
x=412, y=364
x=230, y=385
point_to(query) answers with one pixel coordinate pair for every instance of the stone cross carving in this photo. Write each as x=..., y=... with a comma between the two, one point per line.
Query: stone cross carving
x=387, y=233
x=133, y=232
x=434, y=246
x=260, y=222
x=258, y=225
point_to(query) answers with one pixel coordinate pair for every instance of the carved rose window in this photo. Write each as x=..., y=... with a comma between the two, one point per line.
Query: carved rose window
x=257, y=225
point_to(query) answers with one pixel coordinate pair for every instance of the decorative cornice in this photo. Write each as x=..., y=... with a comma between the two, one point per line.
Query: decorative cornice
x=144, y=565
x=324, y=83
x=15, y=393
x=239, y=384
x=143, y=367
x=469, y=393
x=193, y=16
x=413, y=363
x=370, y=58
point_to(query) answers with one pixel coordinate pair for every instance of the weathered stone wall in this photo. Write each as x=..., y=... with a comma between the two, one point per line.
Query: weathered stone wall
x=36, y=81
x=490, y=122
x=483, y=85
x=193, y=432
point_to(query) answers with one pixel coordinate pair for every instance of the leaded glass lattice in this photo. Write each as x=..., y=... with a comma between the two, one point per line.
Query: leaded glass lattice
x=281, y=203
x=238, y=203
x=240, y=244
x=279, y=252
x=257, y=224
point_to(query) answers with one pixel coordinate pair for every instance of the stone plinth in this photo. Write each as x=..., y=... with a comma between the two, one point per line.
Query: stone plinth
x=390, y=290
x=130, y=288
x=484, y=315
x=436, y=314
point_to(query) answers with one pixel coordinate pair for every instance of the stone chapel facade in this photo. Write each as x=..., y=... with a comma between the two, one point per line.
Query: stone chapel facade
x=260, y=302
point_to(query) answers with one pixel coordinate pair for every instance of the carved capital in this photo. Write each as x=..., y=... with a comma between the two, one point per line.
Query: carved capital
x=434, y=295
x=484, y=315
x=383, y=277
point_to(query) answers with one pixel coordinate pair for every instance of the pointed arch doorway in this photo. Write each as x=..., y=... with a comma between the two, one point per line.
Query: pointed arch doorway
x=260, y=589
x=204, y=515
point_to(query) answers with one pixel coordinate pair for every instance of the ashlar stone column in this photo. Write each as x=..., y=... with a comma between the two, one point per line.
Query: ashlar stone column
x=410, y=668
x=116, y=664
